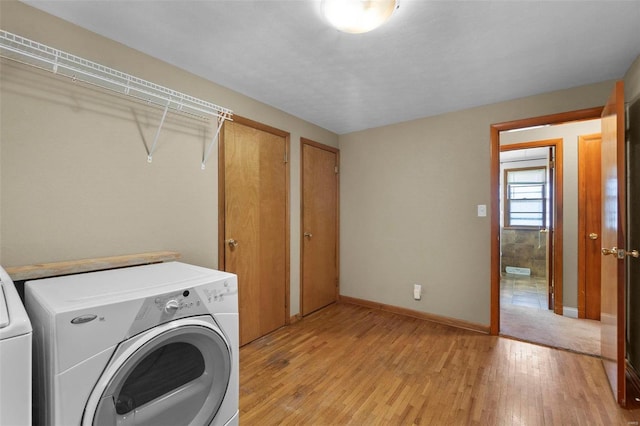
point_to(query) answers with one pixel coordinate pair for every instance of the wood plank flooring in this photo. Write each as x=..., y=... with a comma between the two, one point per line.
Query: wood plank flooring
x=350, y=365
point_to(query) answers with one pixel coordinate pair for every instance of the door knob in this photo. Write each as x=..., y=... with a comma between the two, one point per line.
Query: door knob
x=232, y=243
x=593, y=236
x=308, y=235
x=632, y=253
x=621, y=253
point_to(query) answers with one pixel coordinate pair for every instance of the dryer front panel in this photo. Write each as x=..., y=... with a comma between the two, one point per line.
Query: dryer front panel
x=174, y=374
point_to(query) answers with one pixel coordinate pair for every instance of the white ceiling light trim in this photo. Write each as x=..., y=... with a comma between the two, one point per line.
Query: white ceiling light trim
x=358, y=16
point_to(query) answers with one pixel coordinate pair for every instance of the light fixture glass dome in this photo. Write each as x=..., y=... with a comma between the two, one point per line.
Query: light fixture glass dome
x=358, y=16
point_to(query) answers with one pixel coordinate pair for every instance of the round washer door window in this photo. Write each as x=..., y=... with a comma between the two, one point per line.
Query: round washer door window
x=178, y=377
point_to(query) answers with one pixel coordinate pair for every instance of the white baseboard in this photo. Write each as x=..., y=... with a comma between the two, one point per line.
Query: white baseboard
x=569, y=312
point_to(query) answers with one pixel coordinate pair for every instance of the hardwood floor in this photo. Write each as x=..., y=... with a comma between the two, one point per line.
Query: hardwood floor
x=348, y=364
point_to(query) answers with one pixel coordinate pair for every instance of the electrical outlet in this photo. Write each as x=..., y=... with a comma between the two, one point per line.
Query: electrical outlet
x=417, y=291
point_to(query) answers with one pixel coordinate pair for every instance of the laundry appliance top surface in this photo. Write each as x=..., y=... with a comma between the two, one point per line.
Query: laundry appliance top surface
x=86, y=290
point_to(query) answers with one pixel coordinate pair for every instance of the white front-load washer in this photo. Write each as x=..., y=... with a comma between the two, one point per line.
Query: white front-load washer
x=144, y=345
x=15, y=356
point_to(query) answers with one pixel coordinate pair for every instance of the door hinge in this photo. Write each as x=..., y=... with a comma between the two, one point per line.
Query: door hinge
x=286, y=157
x=552, y=164
x=336, y=169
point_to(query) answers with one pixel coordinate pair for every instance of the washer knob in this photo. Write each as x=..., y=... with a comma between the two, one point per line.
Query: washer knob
x=171, y=306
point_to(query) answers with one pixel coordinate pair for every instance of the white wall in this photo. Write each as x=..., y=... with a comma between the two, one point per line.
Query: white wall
x=569, y=134
x=408, y=205
x=74, y=178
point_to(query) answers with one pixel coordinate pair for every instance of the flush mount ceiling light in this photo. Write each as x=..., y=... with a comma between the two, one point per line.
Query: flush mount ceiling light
x=358, y=16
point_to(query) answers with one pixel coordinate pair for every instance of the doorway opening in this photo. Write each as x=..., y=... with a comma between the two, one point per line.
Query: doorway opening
x=531, y=244
x=548, y=283
x=528, y=226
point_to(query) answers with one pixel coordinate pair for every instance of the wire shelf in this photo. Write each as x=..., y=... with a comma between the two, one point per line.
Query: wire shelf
x=23, y=50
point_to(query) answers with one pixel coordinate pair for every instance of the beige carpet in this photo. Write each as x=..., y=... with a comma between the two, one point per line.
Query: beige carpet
x=546, y=328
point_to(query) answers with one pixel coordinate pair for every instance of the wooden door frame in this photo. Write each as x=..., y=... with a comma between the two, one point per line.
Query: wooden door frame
x=556, y=223
x=305, y=141
x=221, y=202
x=495, y=129
x=582, y=225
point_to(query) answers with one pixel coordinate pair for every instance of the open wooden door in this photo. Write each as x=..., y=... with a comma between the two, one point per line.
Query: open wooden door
x=612, y=315
x=549, y=227
x=633, y=243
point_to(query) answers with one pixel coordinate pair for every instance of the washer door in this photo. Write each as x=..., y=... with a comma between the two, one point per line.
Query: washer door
x=174, y=374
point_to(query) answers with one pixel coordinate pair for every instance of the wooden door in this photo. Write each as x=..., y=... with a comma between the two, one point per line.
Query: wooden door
x=633, y=239
x=319, y=226
x=612, y=313
x=550, y=227
x=255, y=223
x=589, y=223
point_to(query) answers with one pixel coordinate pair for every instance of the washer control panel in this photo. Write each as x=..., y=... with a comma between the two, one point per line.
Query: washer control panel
x=180, y=303
x=213, y=298
x=167, y=307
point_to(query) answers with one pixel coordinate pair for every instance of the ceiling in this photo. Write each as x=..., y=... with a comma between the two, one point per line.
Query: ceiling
x=432, y=57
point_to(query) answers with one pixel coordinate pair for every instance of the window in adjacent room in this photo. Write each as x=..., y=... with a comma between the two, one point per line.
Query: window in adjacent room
x=525, y=197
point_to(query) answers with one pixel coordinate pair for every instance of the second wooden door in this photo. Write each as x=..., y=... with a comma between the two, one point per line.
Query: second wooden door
x=319, y=246
x=589, y=223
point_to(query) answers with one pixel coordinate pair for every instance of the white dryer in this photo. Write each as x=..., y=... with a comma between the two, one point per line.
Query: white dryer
x=15, y=356
x=145, y=345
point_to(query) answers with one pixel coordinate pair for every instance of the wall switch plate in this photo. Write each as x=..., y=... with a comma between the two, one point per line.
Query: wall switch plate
x=482, y=210
x=417, y=291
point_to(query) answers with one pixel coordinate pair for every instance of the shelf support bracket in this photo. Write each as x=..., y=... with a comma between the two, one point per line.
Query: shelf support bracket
x=207, y=152
x=155, y=140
